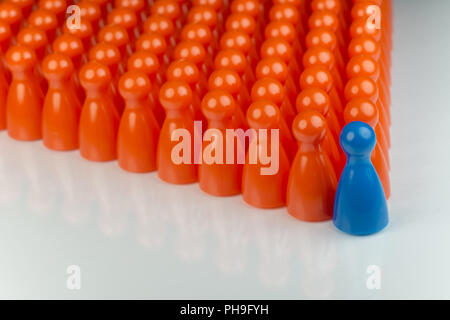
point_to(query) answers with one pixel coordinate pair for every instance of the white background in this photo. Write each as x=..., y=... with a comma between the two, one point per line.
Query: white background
x=136, y=237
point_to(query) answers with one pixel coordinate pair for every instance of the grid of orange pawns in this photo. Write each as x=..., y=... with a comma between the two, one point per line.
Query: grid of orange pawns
x=119, y=79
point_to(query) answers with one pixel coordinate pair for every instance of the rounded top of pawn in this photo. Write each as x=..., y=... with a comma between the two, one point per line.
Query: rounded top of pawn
x=105, y=53
x=183, y=70
x=263, y=114
x=84, y=31
x=134, y=85
x=197, y=31
x=277, y=47
x=268, y=89
x=94, y=75
x=218, y=105
x=325, y=19
x=309, y=126
x=5, y=31
x=314, y=99
x=280, y=29
x=272, y=67
x=285, y=12
x=321, y=37
x=69, y=45
x=175, y=95
x=362, y=65
x=135, y=5
x=20, y=57
x=114, y=34
x=236, y=39
x=231, y=59
x=360, y=27
x=241, y=21
x=321, y=5
x=361, y=9
x=364, y=45
x=190, y=50
x=43, y=19
x=55, y=6
x=143, y=61
x=295, y=3
x=33, y=37
x=153, y=42
x=167, y=8
x=90, y=10
x=204, y=14
x=22, y=3
x=360, y=87
x=225, y=79
x=361, y=109
x=248, y=6
x=215, y=4
x=159, y=24
x=57, y=66
x=317, y=76
x=358, y=139
x=318, y=56
x=123, y=16
x=10, y=13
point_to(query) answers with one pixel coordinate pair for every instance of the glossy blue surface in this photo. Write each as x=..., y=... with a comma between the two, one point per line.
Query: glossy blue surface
x=360, y=207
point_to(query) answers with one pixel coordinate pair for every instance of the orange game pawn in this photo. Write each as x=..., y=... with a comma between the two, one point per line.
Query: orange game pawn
x=137, y=138
x=312, y=182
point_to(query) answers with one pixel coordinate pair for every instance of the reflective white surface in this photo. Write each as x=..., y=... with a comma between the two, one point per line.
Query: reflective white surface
x=134, y=236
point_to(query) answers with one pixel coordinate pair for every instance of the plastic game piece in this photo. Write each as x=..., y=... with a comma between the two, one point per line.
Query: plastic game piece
x=216, y=5
x=127, y=19
x=5, y=37
x=45, y=20
x=58, y=7
x=243, y=22
x=277, y=47
x=263, y=187
x=240, y=40
x=138, y=134
x=201, y=33
x=327, y=19
x=312, y=182
x=272, y=90
x=61, y=111
x=206, y=15
x=284, y=30
x=91, y=11
x=147, y=62
x=25, y=98
x=169, y=9
x=138, y=6
x=25, y=6
x=330, y=5
x=360, y=206
x=12, y=15
x=316, y=99
x=234, y=59
x=364, y=110
x=155, y=43
x=118, y=36
x=216, y=175
x=174, y=165
x=105, y=6
x=229, y=81
x=288, y=12
x=162, y=25
x=99, y=118
x=194, y=52
x=252, y=7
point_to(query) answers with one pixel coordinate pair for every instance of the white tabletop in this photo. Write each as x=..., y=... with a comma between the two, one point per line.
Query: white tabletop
x=134, y=236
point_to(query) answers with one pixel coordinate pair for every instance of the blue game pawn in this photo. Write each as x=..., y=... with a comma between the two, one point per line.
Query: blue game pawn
x=360, y=207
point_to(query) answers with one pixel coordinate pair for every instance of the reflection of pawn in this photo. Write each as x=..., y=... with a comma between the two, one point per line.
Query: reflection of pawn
x=25, y=98
x=175, y=159
x=62, y=107
x=138, y=131
x=259, y=189
x=360, y=206
x=217, y=176
x=360, y=109
x=312, y=181
x=99, y=118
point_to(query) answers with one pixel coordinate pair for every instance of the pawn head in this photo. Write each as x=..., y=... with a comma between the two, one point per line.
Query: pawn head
x=218, y=105
x=153, y=42
x=43, y=19
x=184, y=70
x=363, y=65
x=236, y=39
x=321, y=5
x=175, y=95
x=360, y=27
x=90, y=10
x=10, y=13
x=32, y=37
x=57, y=66
x=317, y=76
x=159, y=24
x=361, y=87
x=313, y=99
x=318, y=56
x=225, y=79
x=241, y=21
x=358, y=139
x=277, y=47
x=136, y=5
x=284, y=12
x=105, y=53
x=280, y=29
x=323, y=19
x=309, y=127
x=143, y=61
x=94, y=75
x=231, y=59
x=263, y=114
x=248, y=6
x=272, y=67
x=114, y=34
x=215, y=4
x=190, y=50
x=197, y=31
x=167, y=8
x=20, y=57
x=123, y=17
x=268, y=89
x=56, y=6
x=361, y=109
x=321, y=37
x=69, y=45
x=134, y=85
x=204, y=14
x=364, y=45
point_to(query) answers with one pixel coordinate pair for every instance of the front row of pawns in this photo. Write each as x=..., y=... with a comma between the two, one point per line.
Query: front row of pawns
x=310, y=190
